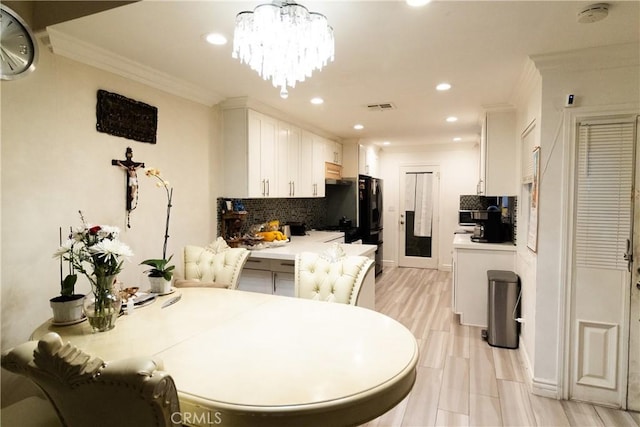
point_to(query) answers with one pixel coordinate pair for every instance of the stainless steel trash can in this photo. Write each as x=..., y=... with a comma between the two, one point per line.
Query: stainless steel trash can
x=504, y=291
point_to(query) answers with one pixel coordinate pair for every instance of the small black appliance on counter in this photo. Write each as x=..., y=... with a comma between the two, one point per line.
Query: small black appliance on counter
x=489, y=228
x=345, y=225
x=297, y=228
x=493, y=217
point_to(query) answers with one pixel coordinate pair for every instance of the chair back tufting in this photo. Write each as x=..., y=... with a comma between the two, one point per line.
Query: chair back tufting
x=87, y=391
x=216, y=265
x=324, y=278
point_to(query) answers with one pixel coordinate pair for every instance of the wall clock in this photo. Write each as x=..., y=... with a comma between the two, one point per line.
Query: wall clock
x=18, y=47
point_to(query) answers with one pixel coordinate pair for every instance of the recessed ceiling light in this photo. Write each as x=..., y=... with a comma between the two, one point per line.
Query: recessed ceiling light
x=452, y=119
x=317, y=101
x=417, y=3
x=386, y=143
x=216, y=39
x=457, y=138
x=358, y=127
x=443, y=86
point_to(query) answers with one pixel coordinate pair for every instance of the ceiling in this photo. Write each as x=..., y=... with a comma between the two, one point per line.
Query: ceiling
x=386, y=52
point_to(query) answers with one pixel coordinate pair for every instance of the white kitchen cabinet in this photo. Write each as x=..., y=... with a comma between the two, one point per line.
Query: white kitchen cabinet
x=471, y=261
x=249, y=154
x=288, y=159
x=333, y=152
x=268, y=277
x=284, y=284
x=311, y=177
x=260, y=281
x=368, y=160
x=256, y=276
x=265, y=157
x=283, y=277
x=317, y=168
x=262, y=139
x=498, y=143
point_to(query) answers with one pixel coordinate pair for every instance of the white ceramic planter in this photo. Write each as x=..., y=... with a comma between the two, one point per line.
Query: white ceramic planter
x=159, y=285
x=65, y=311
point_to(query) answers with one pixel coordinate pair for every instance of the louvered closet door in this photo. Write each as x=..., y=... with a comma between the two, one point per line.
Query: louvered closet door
x=601, y=278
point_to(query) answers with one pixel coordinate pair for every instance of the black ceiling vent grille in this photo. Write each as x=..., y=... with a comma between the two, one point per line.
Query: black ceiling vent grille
x=384, y=106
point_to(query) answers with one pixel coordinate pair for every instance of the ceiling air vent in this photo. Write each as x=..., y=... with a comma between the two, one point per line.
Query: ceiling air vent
x=384, y=106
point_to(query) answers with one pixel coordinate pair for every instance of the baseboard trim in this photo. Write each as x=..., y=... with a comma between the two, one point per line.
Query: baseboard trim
x=537, y=386
x=445, y=267
x=544, y=388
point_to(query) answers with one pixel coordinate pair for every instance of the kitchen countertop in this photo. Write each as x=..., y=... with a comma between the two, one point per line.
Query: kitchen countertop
x=317, y=236
x=314, y=241
x=463, y=241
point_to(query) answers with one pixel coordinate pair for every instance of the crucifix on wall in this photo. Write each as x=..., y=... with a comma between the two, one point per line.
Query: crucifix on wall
x=131, y=169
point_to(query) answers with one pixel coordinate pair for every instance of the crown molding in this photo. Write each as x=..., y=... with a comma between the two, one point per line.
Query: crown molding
x=594, y=58
x=527, y=81
x=246, y=102
x=430, y=147
x=86, y=53
x=498, y=108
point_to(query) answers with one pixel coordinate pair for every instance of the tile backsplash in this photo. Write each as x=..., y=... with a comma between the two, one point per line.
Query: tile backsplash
x=475, y=202
x=311, y=211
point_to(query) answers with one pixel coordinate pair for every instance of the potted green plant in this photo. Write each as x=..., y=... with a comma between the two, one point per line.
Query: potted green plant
x=161, y=272
x=67, y=307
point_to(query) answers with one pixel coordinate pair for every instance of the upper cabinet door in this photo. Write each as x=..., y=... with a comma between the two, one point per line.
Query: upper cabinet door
x=500, y=165
x=333, y=152
x=318, y=160
x=305, y=187
x=288, y=160
x=368, y=160
x=262, y=155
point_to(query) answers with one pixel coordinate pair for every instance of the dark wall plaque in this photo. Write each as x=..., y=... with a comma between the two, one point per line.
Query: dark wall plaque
x=120, y=116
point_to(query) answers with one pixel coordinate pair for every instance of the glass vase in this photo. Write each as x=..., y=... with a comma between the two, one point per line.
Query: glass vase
x=102, y=307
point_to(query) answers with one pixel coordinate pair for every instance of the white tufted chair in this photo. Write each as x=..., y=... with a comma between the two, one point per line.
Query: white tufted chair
x=322, y=278
x=217, y=265
x=86, y=391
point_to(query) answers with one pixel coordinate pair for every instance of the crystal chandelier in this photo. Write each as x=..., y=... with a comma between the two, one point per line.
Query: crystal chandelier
x=283, y=42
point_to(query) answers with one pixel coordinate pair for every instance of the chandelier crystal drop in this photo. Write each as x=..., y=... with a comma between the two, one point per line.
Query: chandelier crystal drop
x=283, y=42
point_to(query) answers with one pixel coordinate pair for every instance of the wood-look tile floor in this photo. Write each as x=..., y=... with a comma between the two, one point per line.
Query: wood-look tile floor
x=462, y=381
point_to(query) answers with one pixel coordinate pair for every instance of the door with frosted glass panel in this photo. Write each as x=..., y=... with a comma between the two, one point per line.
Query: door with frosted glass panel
x=419, y=194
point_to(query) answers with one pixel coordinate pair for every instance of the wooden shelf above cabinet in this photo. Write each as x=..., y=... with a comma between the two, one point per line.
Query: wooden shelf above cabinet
x=332, y=171
x=234, y=215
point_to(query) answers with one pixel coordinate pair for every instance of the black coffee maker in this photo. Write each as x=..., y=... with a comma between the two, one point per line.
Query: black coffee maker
x=489, y=228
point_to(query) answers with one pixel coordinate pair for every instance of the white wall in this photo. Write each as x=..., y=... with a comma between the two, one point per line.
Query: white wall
x=598, y=77
x=54, y=163
x=527, y=119
x=458, y=175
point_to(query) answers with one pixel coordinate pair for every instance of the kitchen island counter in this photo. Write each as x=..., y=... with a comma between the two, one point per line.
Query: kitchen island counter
x=271, y=270
x=314, y=241
x=463, y=241
x=471, y=261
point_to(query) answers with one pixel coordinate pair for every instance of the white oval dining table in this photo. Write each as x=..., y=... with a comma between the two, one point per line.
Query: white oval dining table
x=248, y=359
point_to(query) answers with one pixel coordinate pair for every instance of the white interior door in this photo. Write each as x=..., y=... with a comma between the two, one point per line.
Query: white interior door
x=418, y=232
x=601, y=273
x=633, y=387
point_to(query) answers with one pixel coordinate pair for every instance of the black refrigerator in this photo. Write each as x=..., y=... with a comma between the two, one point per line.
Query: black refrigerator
x=370, y=214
